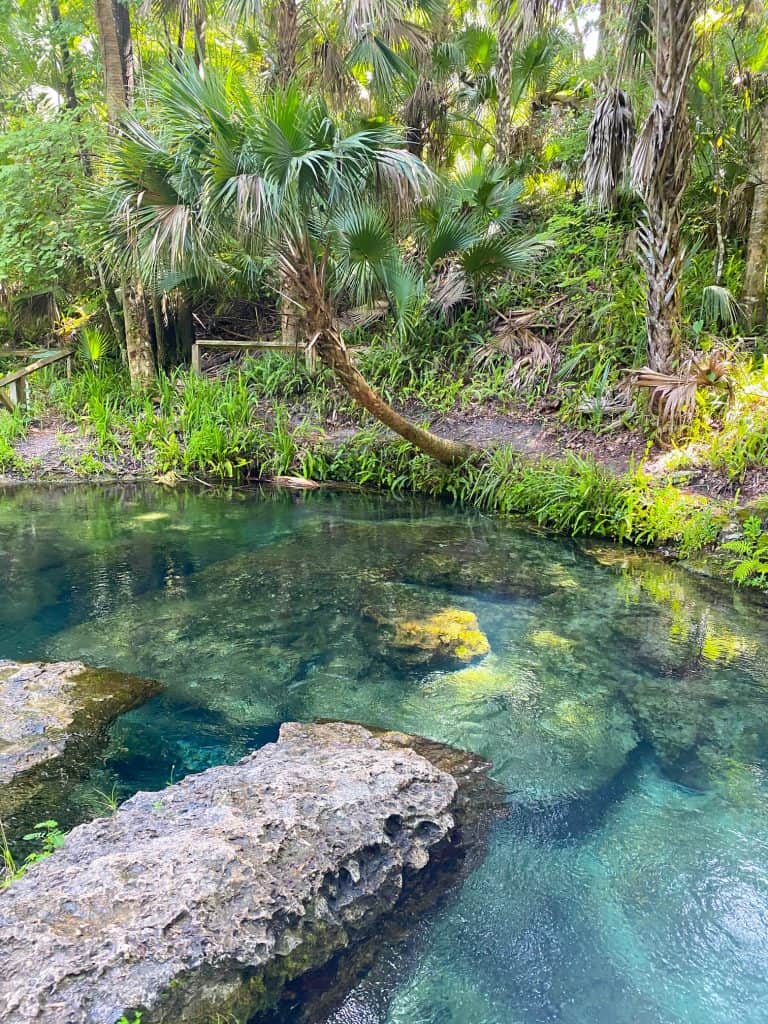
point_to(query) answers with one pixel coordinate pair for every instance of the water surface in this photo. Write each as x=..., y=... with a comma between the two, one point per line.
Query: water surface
x=624, y=706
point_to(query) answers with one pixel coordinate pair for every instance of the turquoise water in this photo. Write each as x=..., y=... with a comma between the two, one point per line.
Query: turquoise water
x=623, y=703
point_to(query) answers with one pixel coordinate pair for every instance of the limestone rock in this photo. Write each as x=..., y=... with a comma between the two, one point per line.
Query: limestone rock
x=52, y=719
x=206, y=898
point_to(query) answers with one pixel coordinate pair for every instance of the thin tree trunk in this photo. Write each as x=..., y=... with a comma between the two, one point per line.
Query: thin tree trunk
x=122, y=18
x=112, y=59
x=68, y=81
x=200, y=25
x=138, y=341
x=754, y=296
x=506, y=34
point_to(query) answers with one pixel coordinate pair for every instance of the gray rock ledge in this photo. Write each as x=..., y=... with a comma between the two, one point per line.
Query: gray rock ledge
x=200, y=902
x=53, y=718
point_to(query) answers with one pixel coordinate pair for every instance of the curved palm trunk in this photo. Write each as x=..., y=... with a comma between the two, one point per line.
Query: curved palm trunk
x=754, y=297
x=333, y=352
x=305, y=279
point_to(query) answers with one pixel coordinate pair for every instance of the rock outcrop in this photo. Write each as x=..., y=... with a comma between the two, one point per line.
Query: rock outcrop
x=53, y=718
x=206, y=898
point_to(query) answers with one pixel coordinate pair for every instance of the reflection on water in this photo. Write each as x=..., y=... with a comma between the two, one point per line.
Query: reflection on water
x=623, y=704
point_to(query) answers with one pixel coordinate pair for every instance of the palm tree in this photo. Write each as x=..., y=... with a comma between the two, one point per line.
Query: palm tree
x=225, y=179
x=517, y=23
x=661, y=165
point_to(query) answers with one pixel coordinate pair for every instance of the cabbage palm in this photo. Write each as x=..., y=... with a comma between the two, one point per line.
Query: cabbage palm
x=224, y=179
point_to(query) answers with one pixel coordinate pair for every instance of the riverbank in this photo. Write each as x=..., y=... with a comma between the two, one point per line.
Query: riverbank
x=575, y=481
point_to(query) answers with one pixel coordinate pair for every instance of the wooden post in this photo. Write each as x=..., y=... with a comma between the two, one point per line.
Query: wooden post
x=196, y=357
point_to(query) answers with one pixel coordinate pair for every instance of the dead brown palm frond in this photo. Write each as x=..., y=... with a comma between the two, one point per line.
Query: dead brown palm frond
x=361, y=316
x=609, y=147
x=672, y=396
x=529, y=354
x=425, y=105
x=332, y=73
x=448, y=288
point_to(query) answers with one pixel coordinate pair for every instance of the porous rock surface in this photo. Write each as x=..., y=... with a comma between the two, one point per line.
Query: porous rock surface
x=205, y=898
x=53, y=717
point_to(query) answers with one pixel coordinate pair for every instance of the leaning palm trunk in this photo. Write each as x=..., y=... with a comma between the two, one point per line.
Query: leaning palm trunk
x=661, y=165
x=754, y=297
x=298, y=267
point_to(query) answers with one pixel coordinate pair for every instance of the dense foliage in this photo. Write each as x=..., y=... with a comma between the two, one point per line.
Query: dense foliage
x=494, y=204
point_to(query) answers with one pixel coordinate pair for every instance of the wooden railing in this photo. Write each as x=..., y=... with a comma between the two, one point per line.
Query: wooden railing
x=240, y=346
x=14, y=387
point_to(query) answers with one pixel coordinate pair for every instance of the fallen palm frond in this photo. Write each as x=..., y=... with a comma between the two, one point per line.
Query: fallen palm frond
x=609, y=147
x=514, y=339
x=672, y=396
x=614, y=401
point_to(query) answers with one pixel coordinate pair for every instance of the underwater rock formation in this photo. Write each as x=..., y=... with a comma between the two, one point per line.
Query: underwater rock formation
x=448, y=638
x=206, y=898
x=53, y=718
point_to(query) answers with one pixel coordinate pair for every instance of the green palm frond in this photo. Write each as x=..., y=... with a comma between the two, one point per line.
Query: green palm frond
x=387, y=68
x=405, y=289
x=497, y=252
x=454, y=231
x=719, y=306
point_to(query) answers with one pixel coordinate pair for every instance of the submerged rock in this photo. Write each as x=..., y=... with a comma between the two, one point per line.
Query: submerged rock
x=447, y=638
x=203, y=900
x=52, y=720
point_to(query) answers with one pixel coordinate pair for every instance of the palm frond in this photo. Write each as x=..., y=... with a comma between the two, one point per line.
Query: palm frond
x=609, y=146
x=719, y=306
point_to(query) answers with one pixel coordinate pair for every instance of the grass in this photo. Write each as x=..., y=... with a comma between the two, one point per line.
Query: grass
x=13, y=427
x=196, y=426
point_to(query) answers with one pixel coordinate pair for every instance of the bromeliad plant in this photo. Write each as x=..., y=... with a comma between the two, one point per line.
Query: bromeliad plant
x=221, y=179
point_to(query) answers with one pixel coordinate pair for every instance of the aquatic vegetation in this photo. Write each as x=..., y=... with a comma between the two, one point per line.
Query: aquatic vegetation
x=447, y=635
x=546, y=638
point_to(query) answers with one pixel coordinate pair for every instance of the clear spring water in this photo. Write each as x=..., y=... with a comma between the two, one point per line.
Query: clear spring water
x=624, y=706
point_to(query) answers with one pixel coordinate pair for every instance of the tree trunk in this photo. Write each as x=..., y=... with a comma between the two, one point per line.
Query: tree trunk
x=112, y=58
x=754, y=296
x=507, y=38
x=61, y=44
x=200, y=24
x=333, y=352
x=125, y=44
x=305, y=280
x=138, y=341
x=661, y=165
x=287, y=41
